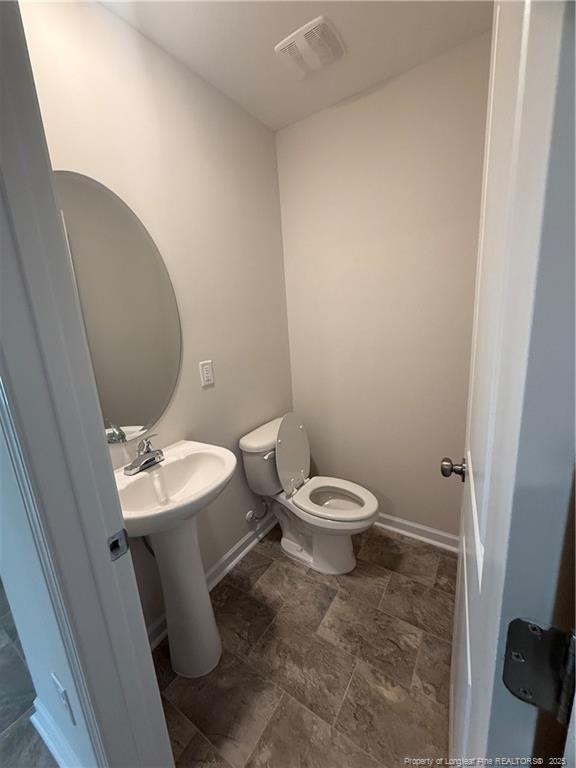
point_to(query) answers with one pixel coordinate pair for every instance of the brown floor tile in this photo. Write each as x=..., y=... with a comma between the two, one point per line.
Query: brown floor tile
x=446, y=576
x=230, y=706
x=402, y=554
x=308, y=613
x=296, y=738
x=200, y=754
x=22, y=747
x=241, y=618
x=389, y=721
x=4, y=639
x=429, y=609
x=288, y=583
x=373, y=636
x=16, y=689
x=310, y=669
x=8, y=626
x=366, y=582
x=180, y=729
x=162, y=664
x=247, y=572
x=359, y=539
x=432, y=673
x=268, y=609
x=4, y=604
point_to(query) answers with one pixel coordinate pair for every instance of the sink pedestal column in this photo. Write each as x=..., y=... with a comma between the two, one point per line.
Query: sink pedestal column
x=195, y=645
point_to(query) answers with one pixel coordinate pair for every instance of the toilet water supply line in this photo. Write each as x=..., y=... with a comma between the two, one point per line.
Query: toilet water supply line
x=253, y=517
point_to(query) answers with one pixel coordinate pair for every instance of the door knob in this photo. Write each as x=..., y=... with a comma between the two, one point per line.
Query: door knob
x=447, y=468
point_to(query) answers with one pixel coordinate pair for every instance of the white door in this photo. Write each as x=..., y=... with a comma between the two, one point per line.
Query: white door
x=56, y=471
x=520, y=431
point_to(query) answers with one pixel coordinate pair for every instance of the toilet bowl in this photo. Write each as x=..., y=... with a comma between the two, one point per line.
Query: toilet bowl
x=318, y=515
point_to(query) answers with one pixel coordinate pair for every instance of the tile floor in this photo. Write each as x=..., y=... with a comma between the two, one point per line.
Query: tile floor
x=322, y=671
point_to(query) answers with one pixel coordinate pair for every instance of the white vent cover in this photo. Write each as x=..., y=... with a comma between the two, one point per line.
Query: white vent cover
x=314, y=46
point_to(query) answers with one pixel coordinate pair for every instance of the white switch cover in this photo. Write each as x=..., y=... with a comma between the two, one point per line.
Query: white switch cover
x=206, y=373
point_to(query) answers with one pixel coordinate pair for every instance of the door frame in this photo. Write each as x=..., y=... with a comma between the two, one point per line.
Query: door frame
x=55, y=427
x=492, y=562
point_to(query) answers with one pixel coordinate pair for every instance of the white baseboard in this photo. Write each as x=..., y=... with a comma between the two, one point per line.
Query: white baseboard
x=432, y=536
x=53, y=737
x=157, y=629
x=221, y=567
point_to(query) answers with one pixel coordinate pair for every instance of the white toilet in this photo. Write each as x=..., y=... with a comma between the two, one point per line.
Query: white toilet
x=318, y=515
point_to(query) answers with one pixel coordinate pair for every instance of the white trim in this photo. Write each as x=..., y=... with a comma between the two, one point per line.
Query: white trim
x=52, y=585
x=157, y=629
x=52, y=396
x=478, y=545
x=441, y=539
x=231, y=558
x=53, y=737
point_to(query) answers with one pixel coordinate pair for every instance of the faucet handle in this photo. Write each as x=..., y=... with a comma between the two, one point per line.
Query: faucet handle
x=145, y=445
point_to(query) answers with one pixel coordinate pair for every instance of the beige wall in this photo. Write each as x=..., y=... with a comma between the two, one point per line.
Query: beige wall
x=380, y=202
x=201, y=175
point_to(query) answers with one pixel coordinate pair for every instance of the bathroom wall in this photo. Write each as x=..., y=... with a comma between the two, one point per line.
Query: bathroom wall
x=380, y=201
x=201, y=175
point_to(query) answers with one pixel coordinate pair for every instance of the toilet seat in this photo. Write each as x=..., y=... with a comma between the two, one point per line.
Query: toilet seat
x=322, y=501
x=331, y=498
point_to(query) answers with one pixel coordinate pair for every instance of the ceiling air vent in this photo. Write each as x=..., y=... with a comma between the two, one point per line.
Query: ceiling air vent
x=312, y=47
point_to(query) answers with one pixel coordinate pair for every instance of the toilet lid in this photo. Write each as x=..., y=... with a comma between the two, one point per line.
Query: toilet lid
x=292, y=454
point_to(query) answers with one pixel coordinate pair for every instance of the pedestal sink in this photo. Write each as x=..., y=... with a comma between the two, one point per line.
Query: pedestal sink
x=162, y=502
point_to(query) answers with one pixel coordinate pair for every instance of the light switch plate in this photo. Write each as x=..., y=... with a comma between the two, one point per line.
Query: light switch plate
x=206, y=373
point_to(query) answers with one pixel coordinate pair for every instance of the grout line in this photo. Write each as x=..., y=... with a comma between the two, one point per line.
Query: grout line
x=337, y=715
x=198, y=731
x=416, y=660
x=385, y=590
x=207, y=740
x=264, y=632
x=266, y=724
x=26, y=714
x=414, y=626
x=340, y=733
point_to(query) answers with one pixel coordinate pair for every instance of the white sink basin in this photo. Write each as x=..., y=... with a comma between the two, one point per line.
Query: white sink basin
x=162, y=502
x=190, y=477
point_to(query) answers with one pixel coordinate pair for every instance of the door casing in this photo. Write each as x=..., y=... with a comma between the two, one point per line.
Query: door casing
x=47, y=375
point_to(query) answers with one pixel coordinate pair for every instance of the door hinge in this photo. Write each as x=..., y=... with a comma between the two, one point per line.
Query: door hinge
x=118, y=544
x=539, y=667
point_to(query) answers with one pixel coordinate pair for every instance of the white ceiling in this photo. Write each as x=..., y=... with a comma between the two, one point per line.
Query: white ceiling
x=231, y=45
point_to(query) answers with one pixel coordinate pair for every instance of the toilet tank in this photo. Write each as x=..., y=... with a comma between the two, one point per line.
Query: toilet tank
x=259, y=458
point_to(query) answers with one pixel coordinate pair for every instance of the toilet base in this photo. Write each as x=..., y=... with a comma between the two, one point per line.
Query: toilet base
x=328, y=553
x=333, y=554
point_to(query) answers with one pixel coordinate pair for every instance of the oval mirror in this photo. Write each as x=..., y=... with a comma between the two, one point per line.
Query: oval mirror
x=128, y=304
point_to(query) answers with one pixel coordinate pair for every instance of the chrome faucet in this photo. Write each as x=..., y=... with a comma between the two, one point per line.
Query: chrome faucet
x=115, y=434
x=147, y=457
